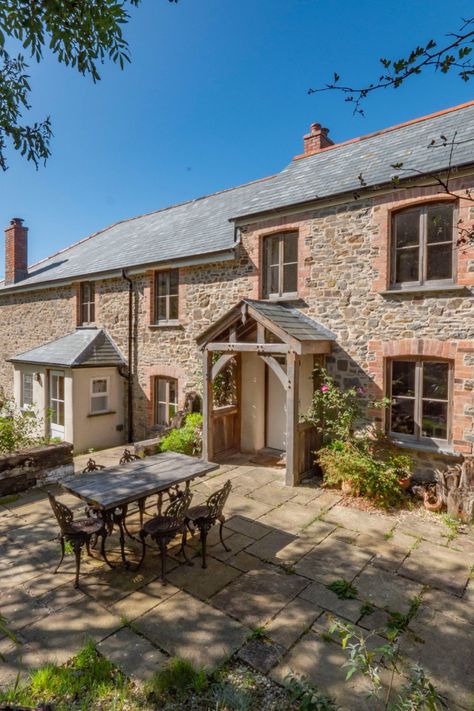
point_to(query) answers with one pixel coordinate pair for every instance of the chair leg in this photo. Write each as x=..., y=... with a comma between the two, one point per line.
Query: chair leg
x=203, y=546
x=162, y=544
x=63, y=550
x=183, y=548
x=142, y=538
x=88, y=547
x=77, y=555
x=102, y=550
x=222, y=521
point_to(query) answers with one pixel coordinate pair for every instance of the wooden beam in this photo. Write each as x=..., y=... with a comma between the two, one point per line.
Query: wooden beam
x=221, y=364
x=277, y=369
x=207, y=403
x=260, y=333
x=248, y=347
x=292, y=415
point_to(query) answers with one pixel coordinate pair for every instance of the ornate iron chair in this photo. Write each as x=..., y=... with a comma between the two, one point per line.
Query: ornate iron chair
x=78, y=533
x=92, y=466
x=205, y=516
x=163, y=528
x=128, y=456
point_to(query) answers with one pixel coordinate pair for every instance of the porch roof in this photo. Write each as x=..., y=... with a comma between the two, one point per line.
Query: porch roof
x=85, y=347
x=287, y=322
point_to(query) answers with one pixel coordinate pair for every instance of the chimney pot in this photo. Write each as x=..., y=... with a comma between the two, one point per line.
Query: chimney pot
x=16, y=251
x=316, y=139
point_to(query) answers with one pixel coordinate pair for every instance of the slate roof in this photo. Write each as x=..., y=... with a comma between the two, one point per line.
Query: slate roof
x=291, y=320
x=85, y=347
x=203, y=226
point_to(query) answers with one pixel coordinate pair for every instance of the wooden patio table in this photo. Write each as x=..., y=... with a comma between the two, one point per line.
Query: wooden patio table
x=109, y=492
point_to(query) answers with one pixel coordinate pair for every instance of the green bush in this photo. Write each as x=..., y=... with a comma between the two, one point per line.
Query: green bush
x=177, y=677
x=18, y=430
x=187, y=439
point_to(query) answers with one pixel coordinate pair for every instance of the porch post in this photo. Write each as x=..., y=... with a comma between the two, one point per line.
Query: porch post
x=292, y=416
x=207, y=448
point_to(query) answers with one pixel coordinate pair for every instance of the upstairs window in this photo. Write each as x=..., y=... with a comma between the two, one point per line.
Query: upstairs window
x=280, y=265
x=26, y=390
x=100, y=395
x=420, y=393
x=422, y=245
x=166, y=400
x=87, y=308
x=166, y=290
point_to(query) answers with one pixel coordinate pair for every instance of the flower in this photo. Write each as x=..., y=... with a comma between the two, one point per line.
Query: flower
x=324, y=388
x=361, y=391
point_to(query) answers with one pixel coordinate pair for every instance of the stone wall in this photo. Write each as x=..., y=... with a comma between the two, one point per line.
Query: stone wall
x=31, y=467
x=343, y=265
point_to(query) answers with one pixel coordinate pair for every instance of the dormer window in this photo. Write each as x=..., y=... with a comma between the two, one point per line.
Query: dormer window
x=87, y=305
x=422, y=246
x=280, y=266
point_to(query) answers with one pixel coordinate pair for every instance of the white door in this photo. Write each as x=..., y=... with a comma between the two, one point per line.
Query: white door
x=56, y=403
x=276, y=412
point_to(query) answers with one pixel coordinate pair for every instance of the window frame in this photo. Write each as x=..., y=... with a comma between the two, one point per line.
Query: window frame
x=93, y=395
x=422, y=281
x=417, y=438
x=156, y=319
x=87, y=306
x=26, y=405
x=167, y=380
x=266, y=265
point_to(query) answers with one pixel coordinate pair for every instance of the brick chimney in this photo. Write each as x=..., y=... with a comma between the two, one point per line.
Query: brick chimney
x=16, y=251
x=316, y=139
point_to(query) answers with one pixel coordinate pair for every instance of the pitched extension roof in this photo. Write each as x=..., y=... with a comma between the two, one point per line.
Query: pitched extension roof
x=86, y=347
x=203, y=227
x=336, y=170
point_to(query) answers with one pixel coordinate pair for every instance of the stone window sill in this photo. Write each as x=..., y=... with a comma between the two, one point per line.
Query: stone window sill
x=453, y=288
x=166, y=324
x=429, y=448
x=101, y=414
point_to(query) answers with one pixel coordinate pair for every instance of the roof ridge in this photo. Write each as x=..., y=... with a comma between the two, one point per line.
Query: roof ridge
x=389, y=129
x=146, y=214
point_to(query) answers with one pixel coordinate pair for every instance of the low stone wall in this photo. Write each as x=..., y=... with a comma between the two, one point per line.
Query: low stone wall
x=31, y=467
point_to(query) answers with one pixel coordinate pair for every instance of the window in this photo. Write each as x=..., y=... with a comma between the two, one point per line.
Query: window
x=280, y=265
x=166, y=400
x=166, y=290
x=422, y=245
x=87, y=307
x=99, y=395
x=26, y=390
x=420, y=391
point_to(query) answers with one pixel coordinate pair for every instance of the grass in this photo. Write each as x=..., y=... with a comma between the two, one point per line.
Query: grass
x=398, y=622
x=343, y=589
x=177, y=678
x=258, y=633
x=452, y=525
x=367, y=609
x=88, y=681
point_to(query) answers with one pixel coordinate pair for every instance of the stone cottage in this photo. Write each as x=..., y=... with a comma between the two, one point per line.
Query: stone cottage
x=357, y=255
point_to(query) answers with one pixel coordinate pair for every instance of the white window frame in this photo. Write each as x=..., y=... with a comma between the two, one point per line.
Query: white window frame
x=26, y=405
x=267, y=266
x=166, y=296
x=166, y=402
x=94, y=395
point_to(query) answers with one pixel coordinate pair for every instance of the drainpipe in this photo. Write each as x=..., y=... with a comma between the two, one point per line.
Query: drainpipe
x=130, y=357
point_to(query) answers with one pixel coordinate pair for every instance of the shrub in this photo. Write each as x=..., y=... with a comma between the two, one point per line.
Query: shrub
x=187, y=439
x=18, y=430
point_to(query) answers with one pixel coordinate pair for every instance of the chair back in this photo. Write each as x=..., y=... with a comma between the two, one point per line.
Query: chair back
x=216, y=501
x=176, y=511
x=64, y=515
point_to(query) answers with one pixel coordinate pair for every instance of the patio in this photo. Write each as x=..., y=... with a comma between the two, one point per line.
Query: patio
x=287, y=545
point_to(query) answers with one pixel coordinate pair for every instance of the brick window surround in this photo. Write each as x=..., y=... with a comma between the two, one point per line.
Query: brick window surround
x=388, y=205
x=162, y=371
x=460, y=352
x=150, y=299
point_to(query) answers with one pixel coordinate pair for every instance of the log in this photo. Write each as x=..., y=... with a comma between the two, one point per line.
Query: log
x=455, y=485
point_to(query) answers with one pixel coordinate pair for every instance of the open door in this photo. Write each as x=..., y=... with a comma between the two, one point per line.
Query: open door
x=56, y=403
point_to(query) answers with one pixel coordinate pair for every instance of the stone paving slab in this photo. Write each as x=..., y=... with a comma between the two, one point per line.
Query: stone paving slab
x=430, y=528
x=238, y=505
x=259, y=595
x=19, y=609
x=450, y=605
x=237, y=542
x=385, y=590
x=132, y=654
x=444, y=647
x=289, y=517
x=321, y=597
x=203, y=583
x=389, y=553
x=292, y=621
x=250, y=528
x=261, y=654
x=244, y=562
x=188, y=628
x=360, y=520
x=276, y=494
x=139, y=603
x=280, y=547
x=331, y=560
x=438, y=567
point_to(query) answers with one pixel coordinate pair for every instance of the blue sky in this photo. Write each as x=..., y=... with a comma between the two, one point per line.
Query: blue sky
x=216, y=95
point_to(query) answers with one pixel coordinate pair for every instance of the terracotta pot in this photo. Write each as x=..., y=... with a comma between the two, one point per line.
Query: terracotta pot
x=405, y=482
x=348, y=488
x=436, y=505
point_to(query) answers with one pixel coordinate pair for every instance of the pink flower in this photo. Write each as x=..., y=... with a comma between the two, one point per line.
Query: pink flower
x=324, y=388
x=361, y=391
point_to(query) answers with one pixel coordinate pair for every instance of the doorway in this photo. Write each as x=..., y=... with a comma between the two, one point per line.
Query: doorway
x=56, y=404
x=275, y=409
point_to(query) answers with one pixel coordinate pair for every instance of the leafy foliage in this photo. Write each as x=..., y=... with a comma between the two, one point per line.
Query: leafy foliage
x=307, y=696
x=343, y=589
x=186, y=439
x=82, y=35
x=18, y=430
